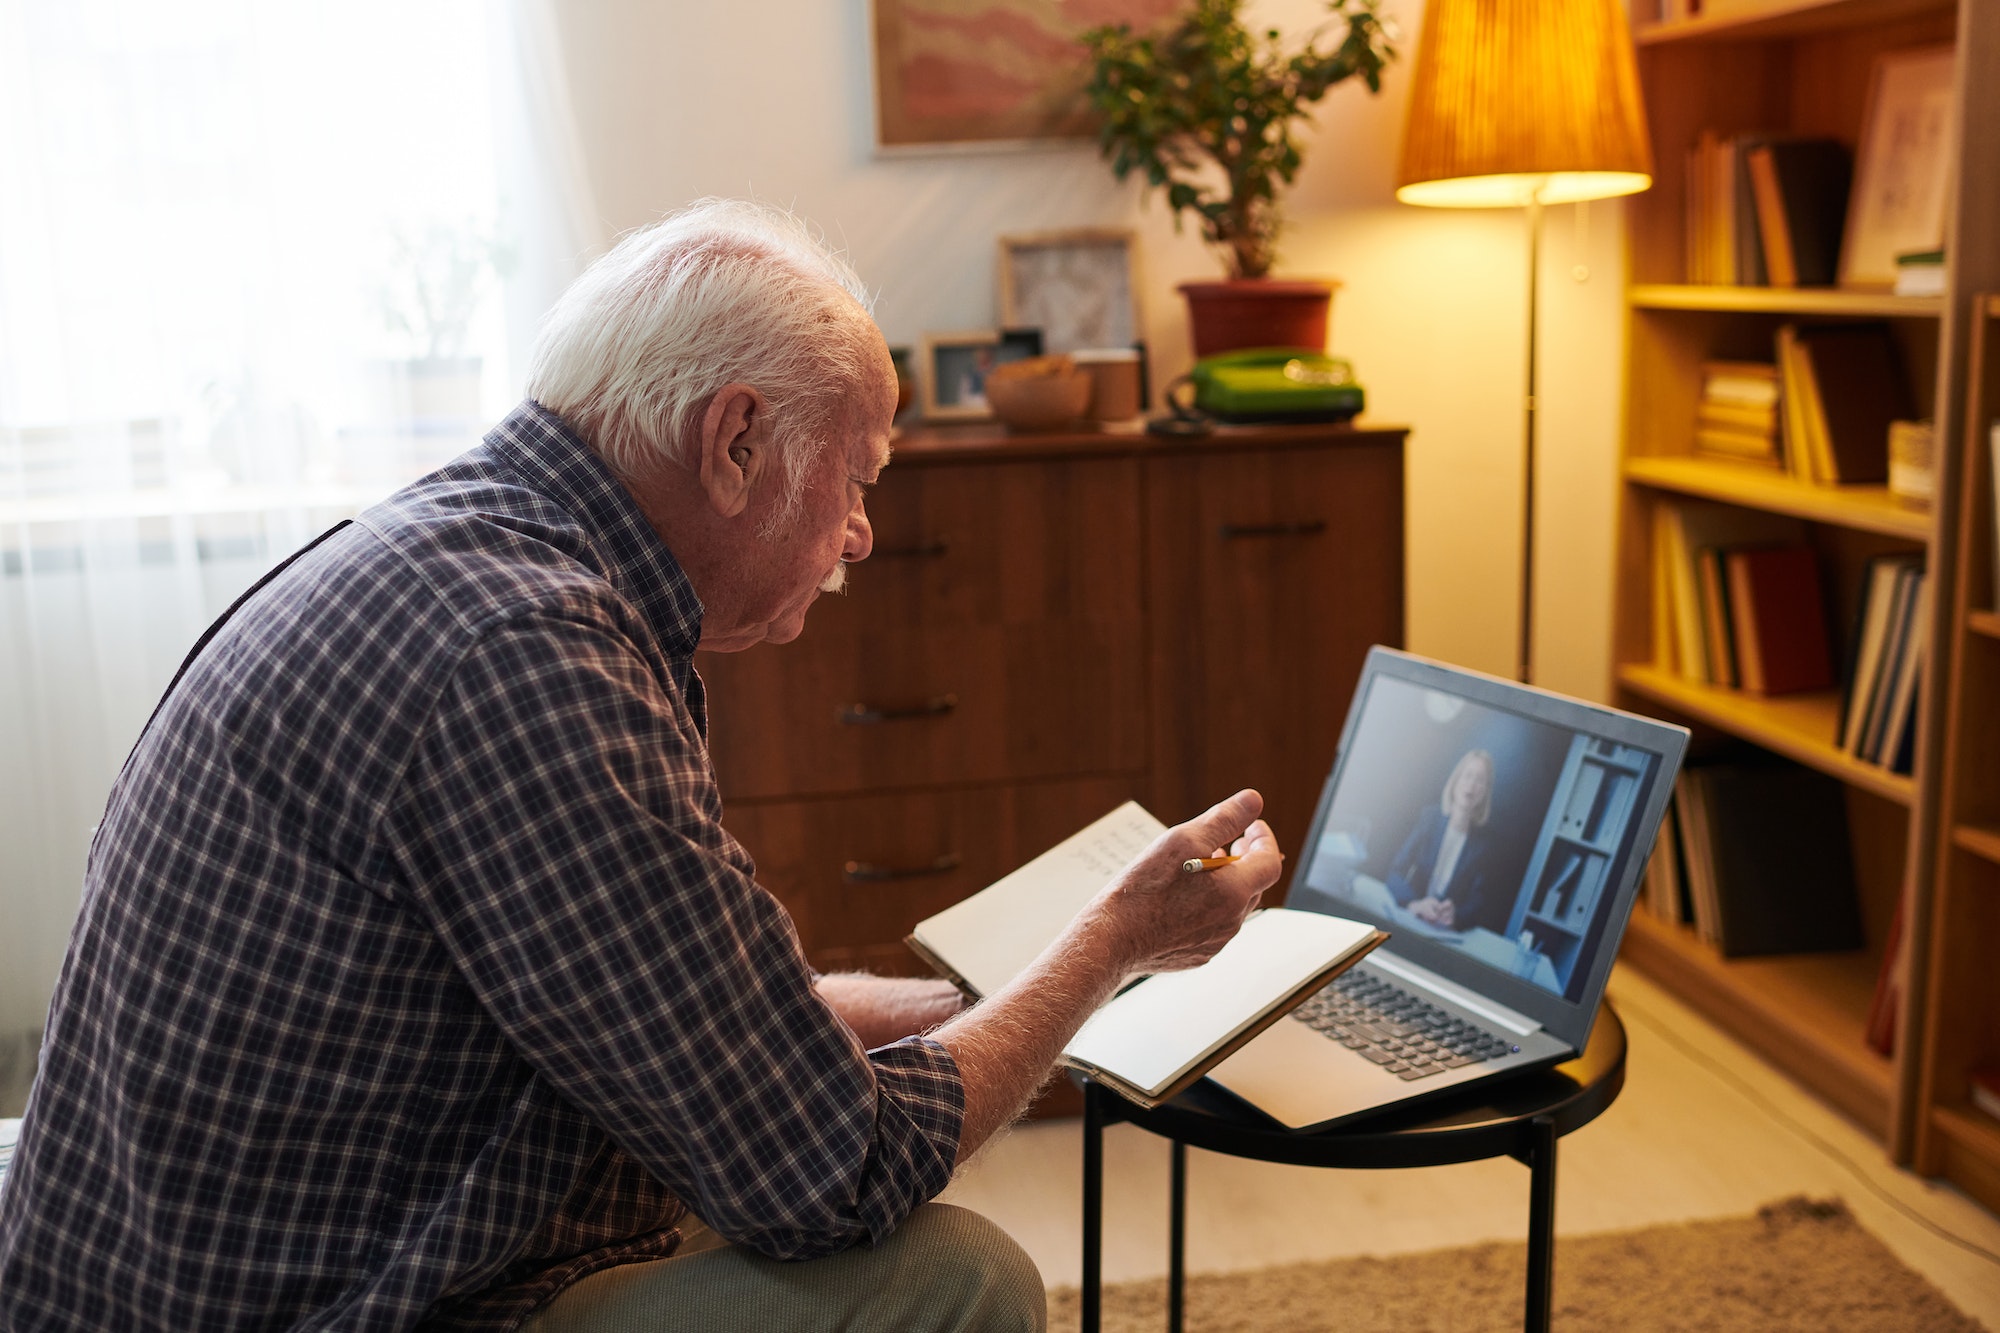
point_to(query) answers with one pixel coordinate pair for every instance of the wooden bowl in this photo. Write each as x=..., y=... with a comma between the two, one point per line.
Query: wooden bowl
x=1047, y=401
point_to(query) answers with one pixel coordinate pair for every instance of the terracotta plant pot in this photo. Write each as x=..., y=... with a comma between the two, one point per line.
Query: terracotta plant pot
x=1258, y=312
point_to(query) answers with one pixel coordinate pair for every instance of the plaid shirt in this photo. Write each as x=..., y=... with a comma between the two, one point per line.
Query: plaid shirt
x=416, y=977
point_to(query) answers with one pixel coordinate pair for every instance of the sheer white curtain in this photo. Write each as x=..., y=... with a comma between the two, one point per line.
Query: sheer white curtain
x=259, y=264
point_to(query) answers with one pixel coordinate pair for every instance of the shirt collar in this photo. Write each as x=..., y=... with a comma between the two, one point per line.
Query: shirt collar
x=547, y=450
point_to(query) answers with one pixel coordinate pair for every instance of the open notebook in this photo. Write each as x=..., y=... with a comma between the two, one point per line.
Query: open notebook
x=1162, y=1032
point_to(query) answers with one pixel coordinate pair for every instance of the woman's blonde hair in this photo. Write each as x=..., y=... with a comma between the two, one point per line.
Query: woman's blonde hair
x=1485, y=809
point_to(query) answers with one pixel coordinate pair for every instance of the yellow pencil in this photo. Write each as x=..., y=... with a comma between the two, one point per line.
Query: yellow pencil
x=1201, y=863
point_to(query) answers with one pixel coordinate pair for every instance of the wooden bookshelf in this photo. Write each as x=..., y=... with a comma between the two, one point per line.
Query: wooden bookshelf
x=1979, y=839
x=1927, y=843
x=1866, y=508
x=1806, y=1013
x=1748, y=20
x=1798, y=726
x=1956, y=978
x=1808, y=301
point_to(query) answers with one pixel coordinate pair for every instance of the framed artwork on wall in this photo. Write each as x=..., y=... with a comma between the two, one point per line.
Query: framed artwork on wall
x=988, y=72
x=1902, y=173
x=1080, y=287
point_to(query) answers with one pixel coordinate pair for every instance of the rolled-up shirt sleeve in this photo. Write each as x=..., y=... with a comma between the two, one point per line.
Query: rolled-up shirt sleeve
x=560, y=830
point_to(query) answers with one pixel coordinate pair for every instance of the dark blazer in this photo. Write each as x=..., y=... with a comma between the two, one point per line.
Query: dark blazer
x=1410, y=873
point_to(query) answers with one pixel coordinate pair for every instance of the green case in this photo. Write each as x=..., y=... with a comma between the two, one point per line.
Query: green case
x=1276, y=384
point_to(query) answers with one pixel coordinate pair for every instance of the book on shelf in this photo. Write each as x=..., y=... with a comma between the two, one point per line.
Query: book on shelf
x=1741, y=420
x=1993, y=514
x=1683, y=530
x=1879, y=1031
x=1886, y=658
x=1913, y=462
x=1736, y=446
x=1718, y=628
x=1920, y=273
x=1702, y=911
x=1891, y=739
x=1772, y=599
x=1767, y=853
x=1842, y=387
x=1161, y=1033
x=1799, y=191
x=1741, y=384
x=1665, y=892
x=1725, y=242
x=1737, y=417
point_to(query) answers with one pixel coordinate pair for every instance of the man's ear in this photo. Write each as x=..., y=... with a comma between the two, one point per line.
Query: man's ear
x=735, y=443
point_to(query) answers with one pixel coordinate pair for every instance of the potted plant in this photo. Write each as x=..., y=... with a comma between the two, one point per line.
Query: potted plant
x=1207, y=110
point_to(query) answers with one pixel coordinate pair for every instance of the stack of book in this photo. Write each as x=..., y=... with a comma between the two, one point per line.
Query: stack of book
x=1920, y=273
x=1765, y=210
x=1754, y=855
x=1840, y=387
x=1892, y=626
x=1737, y=599
x=1737, y=418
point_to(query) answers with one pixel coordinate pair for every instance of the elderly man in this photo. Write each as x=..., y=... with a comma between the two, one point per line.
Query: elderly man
x=417, y=982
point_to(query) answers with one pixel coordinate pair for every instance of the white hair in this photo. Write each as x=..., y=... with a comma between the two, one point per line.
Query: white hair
x=721, y=292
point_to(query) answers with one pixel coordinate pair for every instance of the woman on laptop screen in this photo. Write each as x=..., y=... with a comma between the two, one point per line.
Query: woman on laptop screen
x=1440, y=873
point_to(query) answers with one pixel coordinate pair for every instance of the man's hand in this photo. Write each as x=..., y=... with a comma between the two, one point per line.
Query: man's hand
x=1173, y=919
x=1155, y=917
x=1437, y=911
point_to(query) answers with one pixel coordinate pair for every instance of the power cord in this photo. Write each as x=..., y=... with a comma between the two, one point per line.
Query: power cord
x=1674, y=1039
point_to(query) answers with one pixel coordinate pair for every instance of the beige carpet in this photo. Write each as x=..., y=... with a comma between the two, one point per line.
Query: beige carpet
x=1798, y=1265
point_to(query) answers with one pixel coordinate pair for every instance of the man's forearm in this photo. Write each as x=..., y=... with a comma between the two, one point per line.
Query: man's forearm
x=886, y=1009
x=1006, y=1045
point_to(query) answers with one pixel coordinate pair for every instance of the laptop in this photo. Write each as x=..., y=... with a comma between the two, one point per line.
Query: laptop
x=1499, y=832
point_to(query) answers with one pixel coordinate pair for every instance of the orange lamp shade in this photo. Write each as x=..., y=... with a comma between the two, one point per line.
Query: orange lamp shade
x=1522, y=100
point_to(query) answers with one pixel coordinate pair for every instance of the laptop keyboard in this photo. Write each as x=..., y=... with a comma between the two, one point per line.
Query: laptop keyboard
x=1397, y=1029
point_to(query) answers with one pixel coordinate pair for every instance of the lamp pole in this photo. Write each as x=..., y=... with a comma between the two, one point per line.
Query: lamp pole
x=1524, y=672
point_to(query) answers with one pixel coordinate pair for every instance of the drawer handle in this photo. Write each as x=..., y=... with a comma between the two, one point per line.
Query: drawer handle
x=861, y=715
x=927, y=551
x=1312, y=527
x=865, y=872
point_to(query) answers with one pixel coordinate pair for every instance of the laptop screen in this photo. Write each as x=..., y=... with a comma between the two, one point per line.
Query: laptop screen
x=1497, y=831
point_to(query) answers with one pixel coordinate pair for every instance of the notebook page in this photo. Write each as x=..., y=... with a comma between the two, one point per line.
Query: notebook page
x=1152, y=1033
x=997, y=932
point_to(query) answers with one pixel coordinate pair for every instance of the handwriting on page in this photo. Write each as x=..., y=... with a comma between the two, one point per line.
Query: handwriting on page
x=1108, y=846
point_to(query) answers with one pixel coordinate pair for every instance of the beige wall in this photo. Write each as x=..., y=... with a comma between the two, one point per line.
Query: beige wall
x=771, y=99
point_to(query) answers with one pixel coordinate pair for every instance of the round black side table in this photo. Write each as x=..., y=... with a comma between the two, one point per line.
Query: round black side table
x=1516, y=1117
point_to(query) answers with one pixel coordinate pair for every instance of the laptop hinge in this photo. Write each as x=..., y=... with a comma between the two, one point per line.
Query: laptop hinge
x=1458, y=995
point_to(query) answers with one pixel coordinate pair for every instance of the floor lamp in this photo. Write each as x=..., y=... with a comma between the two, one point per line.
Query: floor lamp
x=1522, y=104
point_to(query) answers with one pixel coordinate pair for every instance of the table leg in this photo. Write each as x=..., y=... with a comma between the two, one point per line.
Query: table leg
x=1092, y=1291
x=1541, y=1222
x=1177, y=1238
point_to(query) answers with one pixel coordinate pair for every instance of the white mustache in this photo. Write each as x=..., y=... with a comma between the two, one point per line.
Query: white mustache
x=836, y=581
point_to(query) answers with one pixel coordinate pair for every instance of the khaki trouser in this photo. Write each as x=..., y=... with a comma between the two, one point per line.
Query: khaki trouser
x=945, y=1270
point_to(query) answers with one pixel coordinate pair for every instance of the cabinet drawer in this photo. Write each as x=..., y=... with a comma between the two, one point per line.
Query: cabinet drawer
x=857, y=873
x=903, y=706
x=1014, y=543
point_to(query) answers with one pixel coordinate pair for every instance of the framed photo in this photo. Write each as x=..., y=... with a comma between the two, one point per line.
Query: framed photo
x=1078, y=287
x=956, y=366
x=989, y=74
x=1902, y=173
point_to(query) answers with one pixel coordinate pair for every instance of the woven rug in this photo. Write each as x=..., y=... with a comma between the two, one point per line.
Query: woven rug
x=1797, y=1265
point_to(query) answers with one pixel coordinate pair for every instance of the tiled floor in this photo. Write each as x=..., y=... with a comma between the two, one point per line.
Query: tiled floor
x=1702, y=1129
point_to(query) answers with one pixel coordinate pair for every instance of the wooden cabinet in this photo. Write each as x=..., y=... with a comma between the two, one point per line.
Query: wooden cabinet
x=1803, y=66
x=1048, y=626
x=1271, y=571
